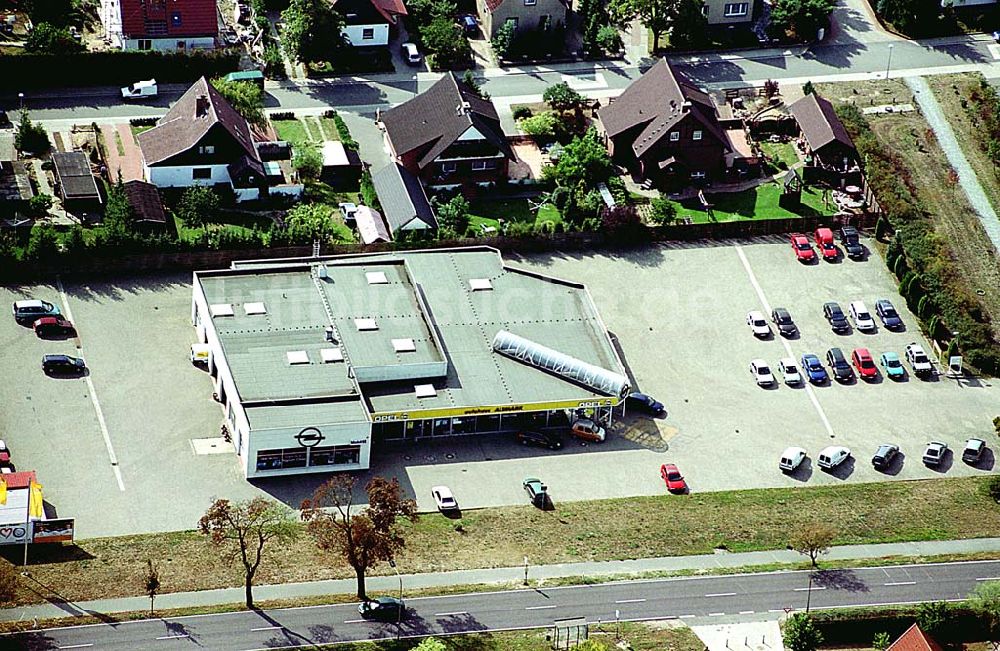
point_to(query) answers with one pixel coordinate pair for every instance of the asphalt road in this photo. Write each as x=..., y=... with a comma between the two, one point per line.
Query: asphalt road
x=684, y=598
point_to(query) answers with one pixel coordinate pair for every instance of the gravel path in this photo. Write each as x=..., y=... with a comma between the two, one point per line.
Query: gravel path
x=966, y=176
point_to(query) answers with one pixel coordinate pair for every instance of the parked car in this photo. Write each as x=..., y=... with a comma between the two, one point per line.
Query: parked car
x=887, y=313
x=782, y=320
x=851, y=242
x=63, y=364
x=789, y=371
x=791, y=459
x=861, y=317
x=673, y=478
x=52, y=326
x=824, y=242
x=140, y=89
x=761, y=373
x=469, y=25
x=444, y=499
x=4, y=454
x=918, y=360
x=892, y=366
x=348, y=210
x=410, y=54
x=644, y=403
x=813, y=367
x=536, y=490
x=864, y=364
x=835, y=317
x=973, y=451
x=387, y=609
x=838, y=365
x=758, y=325
x=935, y=453
x=31, y=310
x=833, y=456
x=803, y=250
x=884, y=456
x=549, y=440
x=588, y=430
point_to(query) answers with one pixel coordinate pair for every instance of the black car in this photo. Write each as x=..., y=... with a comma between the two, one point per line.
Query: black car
x=63, y=364
x=838, y=364
x=645, y=404
x=783, y=321
x=884, y=456
x=548, y=440
x=851, y=242
x=383, y=608
x=835, y=316
x=885, y=311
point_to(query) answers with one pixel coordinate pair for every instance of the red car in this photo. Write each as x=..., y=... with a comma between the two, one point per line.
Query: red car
x=824, y=242
x=673, y=479
x=863, y=362
x=803, y=250
x=49, y=326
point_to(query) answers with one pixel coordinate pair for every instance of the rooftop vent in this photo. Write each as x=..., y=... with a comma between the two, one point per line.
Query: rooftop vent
x=376, y=278
x=297, y=357
x=329, y=355
x=480, y=284
x=425, y=391
x=321, y=271
x=221, y=309
x=254, y=308
x=365, y=324
x=403, y=345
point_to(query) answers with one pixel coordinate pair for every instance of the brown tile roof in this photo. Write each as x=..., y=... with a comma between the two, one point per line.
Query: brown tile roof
x=819, y=122
x=390, y=9
x=145, y=201
x=438, y=116
x=659, y=99
x=914, y=640
x=183, y=127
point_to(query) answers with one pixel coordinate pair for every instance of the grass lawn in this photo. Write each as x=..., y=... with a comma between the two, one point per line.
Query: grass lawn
x=137, y=130
x=757, y=203
x=329, y=128
x=291, y=130
x=574, y=531
x=488, y=212
x=781, y=152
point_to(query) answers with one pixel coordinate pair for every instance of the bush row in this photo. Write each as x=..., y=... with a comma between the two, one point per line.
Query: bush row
x=921, y=260
x=858, y=627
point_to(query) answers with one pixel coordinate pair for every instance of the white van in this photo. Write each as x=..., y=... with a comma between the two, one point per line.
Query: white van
x=140, y=89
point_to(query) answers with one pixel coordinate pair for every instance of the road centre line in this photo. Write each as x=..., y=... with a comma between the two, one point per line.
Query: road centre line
x=75, y=646
x=265, y=628
x=539, y=607
x=630, y=601
x=746, y=612
x=716, y=614
x=457, y=612
x=353, y=621
x=93, y=395
x=989, y=578
x=174, y=637
x=822, y=587
x=901, y=583
x=721, y=594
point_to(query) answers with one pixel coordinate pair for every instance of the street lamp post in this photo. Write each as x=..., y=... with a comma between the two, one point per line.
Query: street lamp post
x=888, y=63
x=809, y=592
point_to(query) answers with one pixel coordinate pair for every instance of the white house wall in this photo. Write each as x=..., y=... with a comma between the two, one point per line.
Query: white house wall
x=356, y=34
x=181, y=176
x=169, y=44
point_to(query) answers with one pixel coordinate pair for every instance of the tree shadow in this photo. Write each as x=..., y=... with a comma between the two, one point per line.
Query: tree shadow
x=839, y=580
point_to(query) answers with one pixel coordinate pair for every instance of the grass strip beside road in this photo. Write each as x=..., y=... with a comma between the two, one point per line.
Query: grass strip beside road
x=636, y=527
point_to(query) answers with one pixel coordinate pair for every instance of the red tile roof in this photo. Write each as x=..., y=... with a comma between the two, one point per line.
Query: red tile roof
x=19, y=479
x=390, y=9
x=169, y=18
x=491, y=5
x=914, y=640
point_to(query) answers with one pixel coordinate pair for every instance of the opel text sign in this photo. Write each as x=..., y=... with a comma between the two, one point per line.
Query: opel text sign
x=309, y=437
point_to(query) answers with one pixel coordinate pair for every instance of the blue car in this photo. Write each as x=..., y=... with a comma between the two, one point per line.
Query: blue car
x=893, y=367
x=886, y=312
x=813, y=368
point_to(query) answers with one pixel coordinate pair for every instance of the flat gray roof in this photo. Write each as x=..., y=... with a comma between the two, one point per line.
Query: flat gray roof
x=315, y=413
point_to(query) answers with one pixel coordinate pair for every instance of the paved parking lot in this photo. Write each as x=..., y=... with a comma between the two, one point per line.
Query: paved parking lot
x=677, y=312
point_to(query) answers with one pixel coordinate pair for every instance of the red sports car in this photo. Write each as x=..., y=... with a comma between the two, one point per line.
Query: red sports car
x=824, y=242
x=672, y=478
x=803, y=250
x=863, y=362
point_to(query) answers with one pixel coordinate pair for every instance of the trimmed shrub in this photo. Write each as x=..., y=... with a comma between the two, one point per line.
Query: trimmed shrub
x=522, y=112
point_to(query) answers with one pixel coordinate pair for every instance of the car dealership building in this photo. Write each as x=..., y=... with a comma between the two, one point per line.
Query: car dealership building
x=315, y=359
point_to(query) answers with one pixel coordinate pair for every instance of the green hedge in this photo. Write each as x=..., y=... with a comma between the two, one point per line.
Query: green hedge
x=27, y=71
x=917, y=249
x=858, y=626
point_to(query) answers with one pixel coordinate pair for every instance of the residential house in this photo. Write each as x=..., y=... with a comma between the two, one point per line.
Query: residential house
x=448, y=136
x=822, y=131
x=370, y=22
x=728, y=12
x=914, y=639
x=160, y=24
x=526, y=15
x=665, y=129
x=77, y=186
x=403, y=200
x=202, y=140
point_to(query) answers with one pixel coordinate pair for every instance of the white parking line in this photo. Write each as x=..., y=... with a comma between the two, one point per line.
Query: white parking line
x=989, y=578
x=716, y=614
x=75, y=646
x=93, y=396
x=174, y=637
x=722, y=594
x=265, y=628
x=822, y=587
x=784, y=342
x=746, y=612
x=353, y=621
x=457, y=612
x=901, y=583
x=539, y=607
x=630, y=601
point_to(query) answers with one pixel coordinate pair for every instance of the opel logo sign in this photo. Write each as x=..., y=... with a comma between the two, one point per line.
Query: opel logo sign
x=309, y=437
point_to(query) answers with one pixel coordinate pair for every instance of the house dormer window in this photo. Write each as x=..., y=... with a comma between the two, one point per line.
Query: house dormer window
x=206, y=150
x=675, y=136
x=696, y=135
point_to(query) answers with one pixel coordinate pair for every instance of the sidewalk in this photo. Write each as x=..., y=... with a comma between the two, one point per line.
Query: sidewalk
x=509, y=575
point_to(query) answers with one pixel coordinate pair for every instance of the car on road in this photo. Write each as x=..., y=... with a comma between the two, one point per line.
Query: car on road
x=444, y=499
x=884, y=456
x=791, y=459
x=851, y=242
x=410, y=54
x=673, y=478
x=789, y=371
x=918, y=359
x=588, y=430
x=63, y=364
x=864, y=364
x=761, y=373
x=782, y=320
x=140, y=89
x=646, y=404
x=814, y=369
x=973, y=451
x=387, y=609
x=832, y=456
x=52, y=326
x=29, y=311
x=549, y=440
x=825, y=244
x=803, y=250
x=891, y=365
x=861, y=317
x=536, y=490
x=888, y=314
x=935, y=453
x=758, y=325
x=835, y=317
x=841, y=370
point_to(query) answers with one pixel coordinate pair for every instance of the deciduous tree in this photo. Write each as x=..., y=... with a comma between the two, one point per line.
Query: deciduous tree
x=447, y=42
x=561, y=97
x=469, y=80
x=151, y=583
x=584, y=159
x=688, y=24
x=198, y=205
x=313, y=31
x=812, y=540
x=246, y=97
x=662, y=210
x=453, y=216
x=801, y=17
x=933, y=616
x=307, y=161
x=49, y=39
x=800, y=634
x=655, y=15
x=985, y=600
x=906, y=15
x=503, y=39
